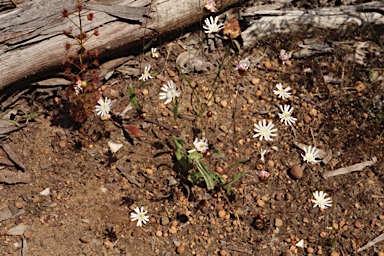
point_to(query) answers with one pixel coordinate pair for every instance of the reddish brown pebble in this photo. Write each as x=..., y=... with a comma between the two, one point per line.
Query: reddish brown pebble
x=358, y=224
x=267, y=64
x=223, y=252
x=307, y=119
x=180, y=249
x=295, y=172
x=334, y=254
x=28, y=234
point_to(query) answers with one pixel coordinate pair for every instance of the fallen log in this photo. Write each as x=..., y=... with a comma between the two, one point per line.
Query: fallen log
x=275, y=19
x=32, y=40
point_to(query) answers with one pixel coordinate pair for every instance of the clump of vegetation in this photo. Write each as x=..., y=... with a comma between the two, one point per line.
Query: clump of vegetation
x=81, y=65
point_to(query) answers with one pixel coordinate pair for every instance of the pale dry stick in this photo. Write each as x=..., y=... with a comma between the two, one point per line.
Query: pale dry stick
x=376, y=240
x=25, y=247
x=349, y=169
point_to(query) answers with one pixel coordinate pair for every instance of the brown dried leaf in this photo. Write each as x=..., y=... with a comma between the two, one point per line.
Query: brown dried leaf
x=132, y=129
x=13, y=177
x=232, y=29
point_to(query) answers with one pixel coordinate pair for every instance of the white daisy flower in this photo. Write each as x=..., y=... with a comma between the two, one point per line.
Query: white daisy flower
x=286, y=116
x=201, y=146
x=139, y=216
x=104, y=107
x=265, y=131
x=311, y=153
x=282, y=93
x=146, y=75
x=320, y=200
x=170, y=92
x=212, y=26
x=154, y=53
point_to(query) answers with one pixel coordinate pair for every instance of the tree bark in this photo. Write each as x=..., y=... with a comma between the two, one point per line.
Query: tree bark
x=32, y=40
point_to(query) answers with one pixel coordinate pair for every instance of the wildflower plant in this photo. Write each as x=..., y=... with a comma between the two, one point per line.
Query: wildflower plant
x=193, y=158
x=81, y=65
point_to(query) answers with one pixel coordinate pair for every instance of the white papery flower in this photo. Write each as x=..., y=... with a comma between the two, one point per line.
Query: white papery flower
x=311, y=153
x=282, y=93
x=320, y=200
x=154, y=53
x=284, y=55
x=140, y=216
x=265, y=131
x=212, y=26
x=104, y=107
x=286, y=115
x=146, y=75
x=201, y=146
x=170, y=92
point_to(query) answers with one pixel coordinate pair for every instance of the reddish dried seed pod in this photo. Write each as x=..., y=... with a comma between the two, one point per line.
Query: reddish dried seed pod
x=90, y=16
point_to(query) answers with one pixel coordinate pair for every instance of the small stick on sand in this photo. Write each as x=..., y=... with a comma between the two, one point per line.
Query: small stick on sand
x=352, y=168
x=371, y=243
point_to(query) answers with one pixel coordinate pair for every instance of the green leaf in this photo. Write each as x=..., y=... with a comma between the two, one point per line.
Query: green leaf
x=31, y=115
x=236, y=178
x=132, y=96
x=205, y=173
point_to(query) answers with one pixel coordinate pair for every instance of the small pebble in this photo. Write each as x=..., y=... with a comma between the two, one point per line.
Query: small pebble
x=288, y=253
x=258, y=93
x=164, y=221
x=173, y=230
x=223, y=252
x=380, y=253
x=360, y=86
x=159, y=233
x=334, y=254
x=28, y=234
x=279, y=196
x=313, y=112
x=260, y=203
x=307, y=119
x=255, y=81
x=144, y=91
x=224, y=103
x=267, y=64
x=108, y=244
x=19, y=205
x=310, y=250
x=221, y=214
x=180, y=249
x=295, y=172
x=278, y=222
x=358, y=224
x=271, y=163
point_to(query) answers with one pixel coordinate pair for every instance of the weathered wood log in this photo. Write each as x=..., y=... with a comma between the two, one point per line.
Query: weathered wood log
x=32, y=39
x=273, y=19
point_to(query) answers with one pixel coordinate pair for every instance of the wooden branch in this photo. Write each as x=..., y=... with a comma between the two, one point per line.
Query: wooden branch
x=32, y=40
x=275, y=21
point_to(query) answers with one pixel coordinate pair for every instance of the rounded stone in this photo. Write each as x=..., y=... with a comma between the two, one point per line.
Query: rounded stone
x=221, y=213
x=295, y=172
x=180, y=249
